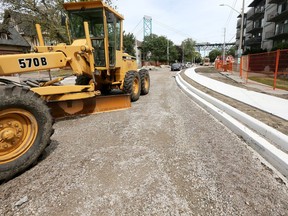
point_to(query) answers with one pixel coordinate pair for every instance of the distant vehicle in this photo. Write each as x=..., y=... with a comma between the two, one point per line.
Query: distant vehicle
x=206, y=62
x=188, y=64
x=175, y=67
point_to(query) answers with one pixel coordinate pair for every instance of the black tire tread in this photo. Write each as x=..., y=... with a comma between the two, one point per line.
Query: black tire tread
x=82, y=80
x=143, y=74
x=130, y=76
x=12, y=96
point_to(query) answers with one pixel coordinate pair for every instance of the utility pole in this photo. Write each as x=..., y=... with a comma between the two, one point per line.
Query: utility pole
x=224, y=45
x=241, y=32
x=168, y=51
x=239, y=54
x=139, y=62
x=183, y=53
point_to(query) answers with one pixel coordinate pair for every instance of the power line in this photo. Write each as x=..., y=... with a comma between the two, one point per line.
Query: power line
x=136, y=26
x=230, y=14
x=167, y=27
x=140, y=31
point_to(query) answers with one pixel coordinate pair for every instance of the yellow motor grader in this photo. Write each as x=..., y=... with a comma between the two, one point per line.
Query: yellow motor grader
x=28, y=109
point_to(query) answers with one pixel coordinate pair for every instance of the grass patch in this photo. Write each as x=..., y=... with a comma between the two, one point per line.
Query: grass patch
x=206, y=69
x=280, y=82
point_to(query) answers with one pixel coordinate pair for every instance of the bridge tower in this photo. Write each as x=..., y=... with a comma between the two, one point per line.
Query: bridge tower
x=147, y=25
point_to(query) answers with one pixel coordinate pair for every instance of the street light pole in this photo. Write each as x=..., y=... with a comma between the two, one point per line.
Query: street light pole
x=241, y=30
x=224, y=45
x=168, y=51
x=242, y=25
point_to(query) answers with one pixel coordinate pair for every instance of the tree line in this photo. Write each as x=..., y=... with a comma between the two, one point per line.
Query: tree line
x=48, y=14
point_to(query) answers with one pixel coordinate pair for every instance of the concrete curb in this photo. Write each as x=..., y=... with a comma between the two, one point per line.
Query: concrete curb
x=244, y=126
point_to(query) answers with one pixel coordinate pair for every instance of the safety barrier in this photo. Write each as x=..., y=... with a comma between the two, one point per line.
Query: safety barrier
x=226, y=67
x=269, y=64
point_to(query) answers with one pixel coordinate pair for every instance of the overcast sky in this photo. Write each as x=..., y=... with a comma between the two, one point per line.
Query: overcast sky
x=203, y=21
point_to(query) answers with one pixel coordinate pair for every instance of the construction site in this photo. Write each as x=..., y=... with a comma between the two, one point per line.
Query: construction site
x=85, y=131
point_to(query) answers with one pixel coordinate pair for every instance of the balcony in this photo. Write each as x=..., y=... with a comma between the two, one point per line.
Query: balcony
x=277, y=17
x=255, y=3
x=253, y=41
x=238, y=34
x=250, y=13
x=237, y=43
x=281, y=33
x=275, y=1
x=249, y=28
x=254, y=27
x=258, y=13
x=239, y=23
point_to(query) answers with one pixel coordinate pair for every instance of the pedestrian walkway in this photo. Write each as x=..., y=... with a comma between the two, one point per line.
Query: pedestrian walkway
x=270, y=104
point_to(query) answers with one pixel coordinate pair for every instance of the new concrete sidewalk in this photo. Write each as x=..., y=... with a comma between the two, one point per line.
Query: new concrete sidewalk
x=270, y=104
x=267, y=141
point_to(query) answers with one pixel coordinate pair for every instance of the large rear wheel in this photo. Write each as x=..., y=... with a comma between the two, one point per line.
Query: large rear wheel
x=25, y=129
x=145, y=81
x=132, y=85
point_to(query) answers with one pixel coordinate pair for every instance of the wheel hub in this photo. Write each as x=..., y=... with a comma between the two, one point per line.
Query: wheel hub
x=146, y=83
x=18, y=130
x=136, y=86
x=10, y=134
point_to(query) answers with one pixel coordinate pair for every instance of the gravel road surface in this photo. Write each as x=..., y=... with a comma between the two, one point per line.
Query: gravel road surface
x=164, y=156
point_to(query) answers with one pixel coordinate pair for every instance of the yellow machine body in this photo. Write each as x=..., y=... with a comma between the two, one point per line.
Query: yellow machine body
x=98, y=57
x=106, y=79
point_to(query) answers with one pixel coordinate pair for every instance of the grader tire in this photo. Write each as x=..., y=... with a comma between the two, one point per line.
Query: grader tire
x=145, y=81
x=132, y=85
x=25, y=129
x=82, y=80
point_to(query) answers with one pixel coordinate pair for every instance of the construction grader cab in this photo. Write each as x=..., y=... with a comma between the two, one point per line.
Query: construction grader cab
x=106, y=79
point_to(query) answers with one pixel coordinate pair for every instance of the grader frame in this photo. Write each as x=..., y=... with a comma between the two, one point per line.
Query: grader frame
x=95, y=57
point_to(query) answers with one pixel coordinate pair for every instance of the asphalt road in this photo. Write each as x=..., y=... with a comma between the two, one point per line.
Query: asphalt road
x=164, y=156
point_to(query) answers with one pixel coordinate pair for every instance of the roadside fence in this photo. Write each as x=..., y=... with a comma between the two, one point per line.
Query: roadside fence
x=269, y=66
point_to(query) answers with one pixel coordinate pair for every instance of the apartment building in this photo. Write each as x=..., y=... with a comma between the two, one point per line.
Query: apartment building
x=279, y=16
x=265, y=25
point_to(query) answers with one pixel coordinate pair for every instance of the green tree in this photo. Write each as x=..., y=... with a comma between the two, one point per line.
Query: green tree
x=155, y=48
x=188, y=45
x=281, y=45
x=232, y=51
x=213, y=54
x=160, y=50
x=47, y=13
x=197, y=57
x=109, y=2
x=129, y=43
x=173, y=52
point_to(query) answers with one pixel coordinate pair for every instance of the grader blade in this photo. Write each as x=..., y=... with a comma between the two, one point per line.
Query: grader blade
x=97, y=104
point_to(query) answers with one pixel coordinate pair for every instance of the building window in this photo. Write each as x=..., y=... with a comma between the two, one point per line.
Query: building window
x=276, y=29
x=282, y=7
x=3, y=36
x=262, y=22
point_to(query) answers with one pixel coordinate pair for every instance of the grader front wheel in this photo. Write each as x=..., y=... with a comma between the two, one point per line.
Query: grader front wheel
x=25, y=129
x=18, y=131
x=145, y=81
x=132, y=85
